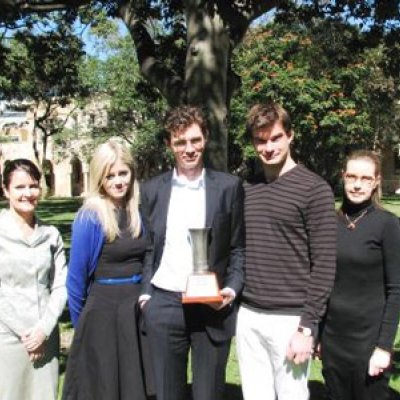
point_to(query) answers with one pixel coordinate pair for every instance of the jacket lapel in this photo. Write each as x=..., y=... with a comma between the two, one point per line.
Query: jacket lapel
x=164, y=196
x=211, y=197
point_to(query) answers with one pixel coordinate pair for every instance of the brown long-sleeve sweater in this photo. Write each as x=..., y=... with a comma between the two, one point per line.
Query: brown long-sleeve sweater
x=290, y=244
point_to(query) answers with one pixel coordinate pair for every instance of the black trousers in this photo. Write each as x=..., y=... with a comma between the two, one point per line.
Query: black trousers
x=173, y=329
x=345, y=370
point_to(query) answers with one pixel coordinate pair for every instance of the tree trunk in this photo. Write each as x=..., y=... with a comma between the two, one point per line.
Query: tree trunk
x=207, y=64
x=35, y=135
x=40, y=158
x=213, y=29
x=46, y=192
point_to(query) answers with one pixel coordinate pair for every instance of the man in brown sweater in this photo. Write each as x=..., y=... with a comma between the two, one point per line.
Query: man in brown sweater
x=290, y=263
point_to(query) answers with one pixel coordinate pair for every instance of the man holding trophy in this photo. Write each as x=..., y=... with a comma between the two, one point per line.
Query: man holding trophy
x=193, y=271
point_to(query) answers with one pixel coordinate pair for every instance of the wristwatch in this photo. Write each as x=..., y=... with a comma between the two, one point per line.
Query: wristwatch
x=304, y=330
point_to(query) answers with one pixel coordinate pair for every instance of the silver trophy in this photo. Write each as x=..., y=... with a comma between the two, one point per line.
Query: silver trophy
x=202, y=285
x=199, y=243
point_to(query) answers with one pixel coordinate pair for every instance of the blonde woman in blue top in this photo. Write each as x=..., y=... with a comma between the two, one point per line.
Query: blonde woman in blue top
x=107, y=250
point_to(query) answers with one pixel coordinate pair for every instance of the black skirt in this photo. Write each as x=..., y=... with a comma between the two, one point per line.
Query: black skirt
x=109, y=357
x=345, y=369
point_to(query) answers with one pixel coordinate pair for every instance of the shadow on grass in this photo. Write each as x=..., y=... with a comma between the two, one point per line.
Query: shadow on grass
x=318, y=391
x=63, y=363
x=394, y=395
x=232, y=392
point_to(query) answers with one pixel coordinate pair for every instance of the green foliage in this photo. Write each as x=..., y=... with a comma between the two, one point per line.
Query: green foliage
x=328, y=80
x=90, y=74
x=134, y=106
x=42, y=65
x=151, y=154
x=5, y=139
x=324, y=82
x=373, y=16
x=65, y=139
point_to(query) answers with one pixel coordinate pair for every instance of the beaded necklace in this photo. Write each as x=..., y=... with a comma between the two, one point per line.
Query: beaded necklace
x=351, y=224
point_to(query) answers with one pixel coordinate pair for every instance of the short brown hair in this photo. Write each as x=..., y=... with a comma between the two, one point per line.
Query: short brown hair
x=20, y=164
x=265, y=116
x=181, y=118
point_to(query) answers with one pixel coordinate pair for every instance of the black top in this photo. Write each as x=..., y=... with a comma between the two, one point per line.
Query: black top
x=290, y=244
x=124, y=256
x=365, y=300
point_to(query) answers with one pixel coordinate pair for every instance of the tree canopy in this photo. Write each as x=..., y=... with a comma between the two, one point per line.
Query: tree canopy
x=337, y=89
x=185, y=47
x=134, y=106
x=42, y=68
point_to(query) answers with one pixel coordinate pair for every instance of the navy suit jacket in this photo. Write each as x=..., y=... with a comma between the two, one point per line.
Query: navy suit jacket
x=224, y=214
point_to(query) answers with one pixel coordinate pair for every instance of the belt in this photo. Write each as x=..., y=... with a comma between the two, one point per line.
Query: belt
x=120, y=281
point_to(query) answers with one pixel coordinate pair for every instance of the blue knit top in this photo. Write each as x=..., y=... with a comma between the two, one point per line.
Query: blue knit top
x=86, y=244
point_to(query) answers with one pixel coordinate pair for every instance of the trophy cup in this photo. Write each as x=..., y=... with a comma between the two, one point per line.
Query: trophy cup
x=202, y=285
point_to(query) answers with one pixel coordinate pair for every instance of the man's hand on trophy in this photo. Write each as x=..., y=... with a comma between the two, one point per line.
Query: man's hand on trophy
x=228, y=295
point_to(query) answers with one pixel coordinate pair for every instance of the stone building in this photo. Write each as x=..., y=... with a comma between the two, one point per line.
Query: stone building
x=66, y=169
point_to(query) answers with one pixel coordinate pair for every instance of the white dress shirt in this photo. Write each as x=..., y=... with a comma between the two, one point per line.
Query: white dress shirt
x=187, y=209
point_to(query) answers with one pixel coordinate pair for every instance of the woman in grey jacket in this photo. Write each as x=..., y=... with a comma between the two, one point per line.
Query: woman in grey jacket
x=32, y=290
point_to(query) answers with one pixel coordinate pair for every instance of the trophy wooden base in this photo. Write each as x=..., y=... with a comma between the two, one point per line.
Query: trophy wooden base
x=202, y=288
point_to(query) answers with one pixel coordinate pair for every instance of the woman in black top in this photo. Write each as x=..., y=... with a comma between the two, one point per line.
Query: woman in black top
x=107, y=359
x=363, y=309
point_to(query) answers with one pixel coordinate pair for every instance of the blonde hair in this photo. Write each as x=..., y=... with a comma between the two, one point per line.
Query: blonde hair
x=97, y=200
x=374, y=159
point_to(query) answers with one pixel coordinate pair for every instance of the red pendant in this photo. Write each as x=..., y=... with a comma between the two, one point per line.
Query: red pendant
x=351, y=226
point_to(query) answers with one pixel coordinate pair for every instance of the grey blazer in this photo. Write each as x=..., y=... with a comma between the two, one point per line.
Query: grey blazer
x=32, y=277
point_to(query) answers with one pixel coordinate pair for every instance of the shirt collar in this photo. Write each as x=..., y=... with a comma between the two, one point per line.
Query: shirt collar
x=182, y=181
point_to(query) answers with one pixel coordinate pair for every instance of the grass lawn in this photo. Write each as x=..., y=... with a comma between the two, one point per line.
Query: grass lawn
x=60, y=212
